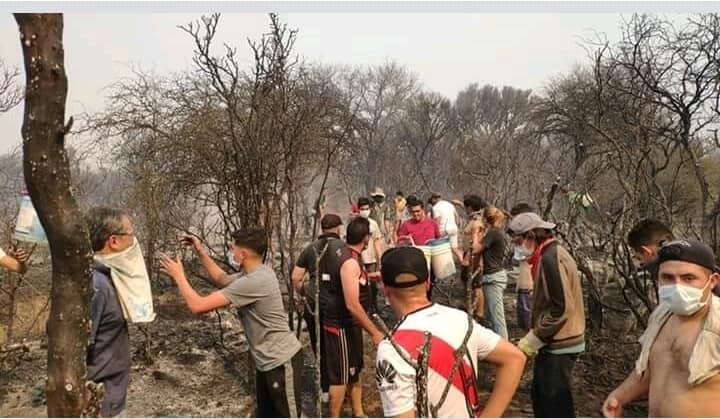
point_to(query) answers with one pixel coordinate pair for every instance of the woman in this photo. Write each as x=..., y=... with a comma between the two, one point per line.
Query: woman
x=494, y=279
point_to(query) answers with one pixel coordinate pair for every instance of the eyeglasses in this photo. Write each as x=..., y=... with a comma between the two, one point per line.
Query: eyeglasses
x=123, y=233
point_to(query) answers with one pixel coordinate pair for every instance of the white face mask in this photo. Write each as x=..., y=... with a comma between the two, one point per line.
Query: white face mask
x=521, y=253
x=365, y=213
x=232, y=261
x=682, y=299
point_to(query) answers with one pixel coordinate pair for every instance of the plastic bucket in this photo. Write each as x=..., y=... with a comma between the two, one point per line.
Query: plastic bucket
x=28, y=227
x=443, y=264
x=427, y=251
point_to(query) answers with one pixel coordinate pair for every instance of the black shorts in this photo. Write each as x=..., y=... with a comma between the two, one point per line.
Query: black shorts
x=343, y=354
x=278, y=390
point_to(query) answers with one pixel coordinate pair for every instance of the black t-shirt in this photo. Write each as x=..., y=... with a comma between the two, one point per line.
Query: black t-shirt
x=307, y=259
x=494, y=254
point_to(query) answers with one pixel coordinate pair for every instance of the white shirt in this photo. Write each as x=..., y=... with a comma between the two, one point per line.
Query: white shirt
x=2, y=253
x=444, y=214
x=368, y=255
x=396, y=378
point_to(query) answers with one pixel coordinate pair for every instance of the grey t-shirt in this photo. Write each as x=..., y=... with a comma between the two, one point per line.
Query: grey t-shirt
x=257, y=297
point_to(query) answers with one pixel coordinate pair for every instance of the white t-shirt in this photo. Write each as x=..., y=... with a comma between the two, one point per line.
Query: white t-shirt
x=396, y=378
x=368, y=255
x=444, y=213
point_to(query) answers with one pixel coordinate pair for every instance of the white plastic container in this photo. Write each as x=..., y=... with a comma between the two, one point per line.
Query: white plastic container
x=443, y=264
x=28, y=227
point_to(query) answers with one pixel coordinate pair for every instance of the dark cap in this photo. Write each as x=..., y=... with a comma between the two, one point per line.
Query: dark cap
x=688, y=250
x=330, y=221
x=399, y=260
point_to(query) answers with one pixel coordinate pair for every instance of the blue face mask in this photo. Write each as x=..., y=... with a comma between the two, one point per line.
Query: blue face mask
x=521, y=253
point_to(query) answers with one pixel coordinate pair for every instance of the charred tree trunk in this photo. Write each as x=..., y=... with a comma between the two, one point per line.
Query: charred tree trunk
x=47, y=174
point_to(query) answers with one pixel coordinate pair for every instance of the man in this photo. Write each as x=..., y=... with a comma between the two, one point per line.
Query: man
x=472, y=264
x=371, y=255
x=420, y=227
x=380, y=211
x=679, y=365
x=330, y=242
x=447, y=219
x=108, y=354
x=400, y=215
x=345, y=298
x=645, y=238
x=255, y=293
x=524, y=284
x=406, y=279
x=557, y=333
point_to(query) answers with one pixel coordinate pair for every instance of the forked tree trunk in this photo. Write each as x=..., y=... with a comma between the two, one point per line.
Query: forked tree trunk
x=47, y=174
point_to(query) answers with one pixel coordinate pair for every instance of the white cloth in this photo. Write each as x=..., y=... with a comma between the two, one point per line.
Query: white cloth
x=368, y=255
x=444, y=213
x=2, y=253
x=705, y=357
x=396, y=378
x=131, y=281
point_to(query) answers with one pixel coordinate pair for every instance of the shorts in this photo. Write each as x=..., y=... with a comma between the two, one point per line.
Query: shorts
x=343, y=354
x=277, y=391
x=453, y=240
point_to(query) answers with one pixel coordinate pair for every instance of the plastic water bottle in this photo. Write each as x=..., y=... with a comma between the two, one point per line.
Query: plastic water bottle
x=28, y=227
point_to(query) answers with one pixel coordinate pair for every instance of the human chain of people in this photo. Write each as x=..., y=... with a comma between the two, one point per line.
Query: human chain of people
x=354, y=271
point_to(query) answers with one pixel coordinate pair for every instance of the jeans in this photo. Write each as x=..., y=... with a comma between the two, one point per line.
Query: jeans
x=493, y=286
x=524, y=309
x=551, y=392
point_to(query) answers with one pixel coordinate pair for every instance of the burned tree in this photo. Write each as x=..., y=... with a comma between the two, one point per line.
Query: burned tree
x=47, y=174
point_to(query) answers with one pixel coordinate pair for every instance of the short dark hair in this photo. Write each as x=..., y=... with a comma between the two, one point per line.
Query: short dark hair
x=474, y=202
x=648, y=232
x=253, y=238
x=363, y=201
x=413, y=201
x=399, y=193
x=357, y=230
x=103, y=222
x=521, y=208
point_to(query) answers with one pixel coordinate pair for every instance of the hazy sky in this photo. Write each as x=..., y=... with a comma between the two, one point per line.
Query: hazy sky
x=446, y=51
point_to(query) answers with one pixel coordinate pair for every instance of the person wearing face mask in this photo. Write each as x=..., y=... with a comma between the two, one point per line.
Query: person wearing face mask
x=380, y=211
x=678, y=369
x=121, y=294
x=255, y=294
x=371, y=255
x=557, y=333
x=524, y=284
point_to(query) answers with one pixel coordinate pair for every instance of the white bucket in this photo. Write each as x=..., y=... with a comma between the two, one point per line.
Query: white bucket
x=443, y=264
x=427, y=251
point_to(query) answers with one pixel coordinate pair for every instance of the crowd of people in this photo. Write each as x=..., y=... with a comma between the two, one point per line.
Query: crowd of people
x=373, y=256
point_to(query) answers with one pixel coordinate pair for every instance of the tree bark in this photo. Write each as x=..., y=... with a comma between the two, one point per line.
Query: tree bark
x=47, y=174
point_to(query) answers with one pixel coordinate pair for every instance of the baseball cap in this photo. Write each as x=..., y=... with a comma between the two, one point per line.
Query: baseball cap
x=400, y=260
x=330, y=221
x=688, y=250
x=522, y=223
